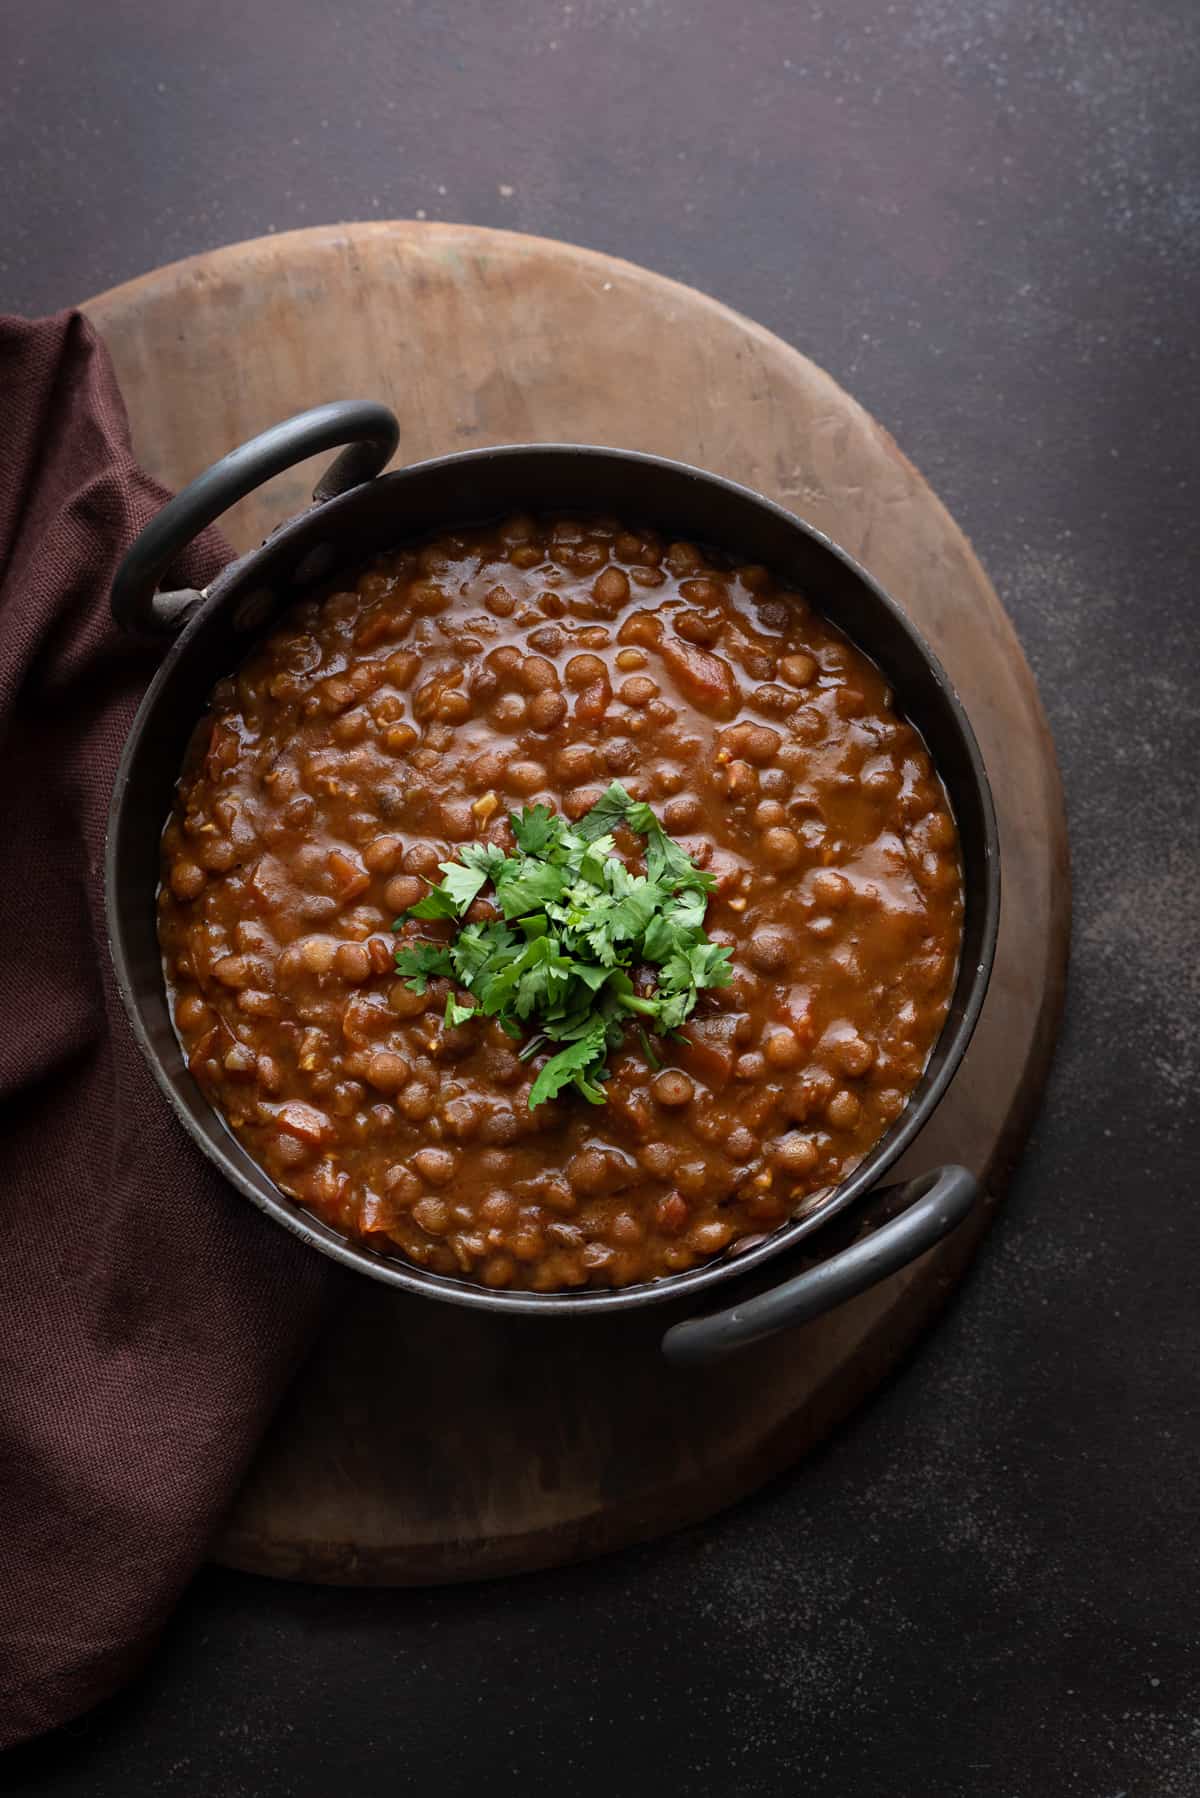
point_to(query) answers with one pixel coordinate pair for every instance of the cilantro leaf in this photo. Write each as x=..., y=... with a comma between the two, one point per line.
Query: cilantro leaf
x=437, y=903
x=636, y=906
x=482, y=855
x=592, y=978
x=462, y=885
x=535, y=829
x=594, y=857
x=555, y=969
x=666, y=861
x=476, y=945
x=526, y=885
x=573, y=1065
x=418, y=961
x=610, y=809
x=711, y=964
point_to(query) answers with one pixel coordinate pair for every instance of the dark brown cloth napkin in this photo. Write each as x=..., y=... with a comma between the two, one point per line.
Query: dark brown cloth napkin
x=149, y=1317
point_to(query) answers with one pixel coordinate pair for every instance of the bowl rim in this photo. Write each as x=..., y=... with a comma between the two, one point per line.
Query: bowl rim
x=243, y=1173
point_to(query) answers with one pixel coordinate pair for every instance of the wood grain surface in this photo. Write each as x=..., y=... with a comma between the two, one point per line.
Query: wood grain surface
x=424, y=1443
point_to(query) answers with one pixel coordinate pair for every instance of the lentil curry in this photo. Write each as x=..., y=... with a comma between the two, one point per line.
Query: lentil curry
x=379, y=731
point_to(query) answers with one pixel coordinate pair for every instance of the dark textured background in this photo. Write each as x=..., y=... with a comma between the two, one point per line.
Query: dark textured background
x=983, y=217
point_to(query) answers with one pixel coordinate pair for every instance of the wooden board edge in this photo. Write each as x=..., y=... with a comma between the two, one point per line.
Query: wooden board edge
x=891, y=1338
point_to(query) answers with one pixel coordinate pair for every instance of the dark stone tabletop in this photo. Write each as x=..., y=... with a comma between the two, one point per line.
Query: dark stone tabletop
x=983, y=217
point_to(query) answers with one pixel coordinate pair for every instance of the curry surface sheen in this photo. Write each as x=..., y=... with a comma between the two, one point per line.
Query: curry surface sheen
x=538, y=661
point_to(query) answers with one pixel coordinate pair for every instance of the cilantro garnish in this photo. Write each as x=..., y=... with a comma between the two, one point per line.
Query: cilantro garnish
x=554, y=968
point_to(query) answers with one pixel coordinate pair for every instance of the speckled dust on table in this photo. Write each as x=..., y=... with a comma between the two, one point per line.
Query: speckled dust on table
x=981, y=216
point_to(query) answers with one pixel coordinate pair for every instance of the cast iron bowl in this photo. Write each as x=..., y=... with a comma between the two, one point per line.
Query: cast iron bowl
x=354, y=516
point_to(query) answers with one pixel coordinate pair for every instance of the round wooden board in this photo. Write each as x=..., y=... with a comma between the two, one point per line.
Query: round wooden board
x=529, y=1443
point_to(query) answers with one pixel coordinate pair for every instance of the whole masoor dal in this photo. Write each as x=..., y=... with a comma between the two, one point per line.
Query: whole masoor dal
x=537, y=661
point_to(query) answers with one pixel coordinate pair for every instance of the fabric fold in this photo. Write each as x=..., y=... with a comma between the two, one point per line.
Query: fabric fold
x=149, y=1317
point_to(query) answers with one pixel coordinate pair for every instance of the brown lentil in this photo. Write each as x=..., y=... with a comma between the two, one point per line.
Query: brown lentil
x=334, y=774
